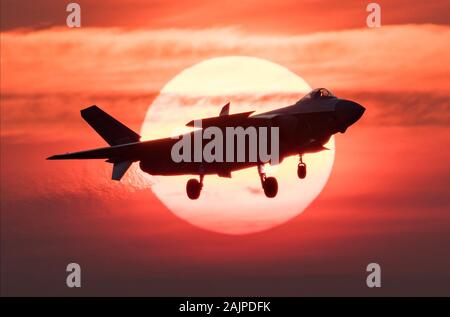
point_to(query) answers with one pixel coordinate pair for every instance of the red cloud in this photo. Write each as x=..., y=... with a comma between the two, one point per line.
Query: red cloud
x=112, y=60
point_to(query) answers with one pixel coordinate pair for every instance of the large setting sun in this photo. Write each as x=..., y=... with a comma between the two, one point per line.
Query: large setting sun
x=236, y=205
x=96, y=94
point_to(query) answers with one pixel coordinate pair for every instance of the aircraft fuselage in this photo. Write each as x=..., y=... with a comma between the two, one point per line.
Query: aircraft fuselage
x=304, y=127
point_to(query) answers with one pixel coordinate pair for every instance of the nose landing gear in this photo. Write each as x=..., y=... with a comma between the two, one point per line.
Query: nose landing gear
x=194, y=187
x=269, y=184
x=301, y=169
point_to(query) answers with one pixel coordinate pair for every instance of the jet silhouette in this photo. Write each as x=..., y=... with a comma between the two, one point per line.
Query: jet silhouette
x=303, y=127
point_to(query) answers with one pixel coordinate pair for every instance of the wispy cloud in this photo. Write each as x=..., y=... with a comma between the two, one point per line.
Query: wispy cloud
x=112, y=60
x=405, y=108
x=287, y=16
x=56, y=118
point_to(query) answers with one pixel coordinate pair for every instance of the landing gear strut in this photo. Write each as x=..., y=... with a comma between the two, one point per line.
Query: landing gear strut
x=269, y=184
x=301, y=168
x=194, y=187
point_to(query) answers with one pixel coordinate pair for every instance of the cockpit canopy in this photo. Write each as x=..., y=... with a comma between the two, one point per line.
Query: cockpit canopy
x=318, y=93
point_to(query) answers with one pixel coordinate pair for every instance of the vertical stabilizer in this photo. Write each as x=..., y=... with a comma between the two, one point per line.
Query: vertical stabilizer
x=225, y=110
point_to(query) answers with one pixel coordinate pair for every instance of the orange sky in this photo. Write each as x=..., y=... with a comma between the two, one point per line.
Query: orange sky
x=386, y=201
x=261, y=16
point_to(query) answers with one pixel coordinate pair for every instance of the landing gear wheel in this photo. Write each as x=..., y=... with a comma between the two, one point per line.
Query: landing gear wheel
x=193, y=188
x=270, y=186
x=301, y=170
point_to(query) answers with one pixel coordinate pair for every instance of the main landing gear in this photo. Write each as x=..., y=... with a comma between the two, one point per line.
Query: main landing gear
x=301, y=169
x=269, y=184
x=194, y=187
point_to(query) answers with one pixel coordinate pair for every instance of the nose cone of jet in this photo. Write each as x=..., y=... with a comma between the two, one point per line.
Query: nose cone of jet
x=348, y=112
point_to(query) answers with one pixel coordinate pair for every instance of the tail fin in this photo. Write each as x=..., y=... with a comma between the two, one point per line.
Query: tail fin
x=225, y=110
x=119, y=169
x=111, y=130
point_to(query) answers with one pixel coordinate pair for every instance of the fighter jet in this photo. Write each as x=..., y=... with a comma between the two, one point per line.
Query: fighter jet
x=304, y=127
